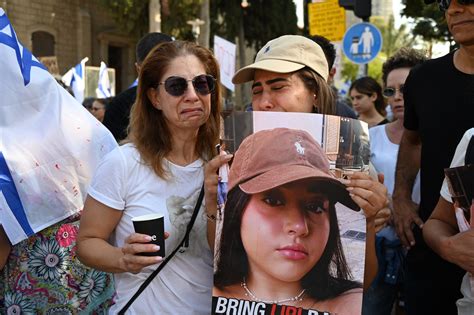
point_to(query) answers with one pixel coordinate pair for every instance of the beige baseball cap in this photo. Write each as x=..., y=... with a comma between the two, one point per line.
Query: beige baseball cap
x=285, y=54
x=271, y=158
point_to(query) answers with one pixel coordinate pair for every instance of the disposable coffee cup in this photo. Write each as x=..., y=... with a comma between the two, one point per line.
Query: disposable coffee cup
x=153, y=225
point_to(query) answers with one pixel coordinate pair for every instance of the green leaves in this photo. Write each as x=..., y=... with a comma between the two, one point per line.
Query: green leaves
x=262, y=20
x=131, y=15
x=430, y=23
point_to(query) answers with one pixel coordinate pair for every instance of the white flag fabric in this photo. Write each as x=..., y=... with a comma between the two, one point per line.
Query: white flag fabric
x=50, y=144
x=75, y=79
x=103, y=85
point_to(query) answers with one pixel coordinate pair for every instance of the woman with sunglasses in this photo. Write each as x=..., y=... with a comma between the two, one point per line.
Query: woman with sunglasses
x=99, y=106
x=384, y=144
x=368, y=102
x=173, y=129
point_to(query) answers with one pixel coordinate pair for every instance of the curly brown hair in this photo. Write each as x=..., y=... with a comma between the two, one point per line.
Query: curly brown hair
x=405, y=57
x=148, y=129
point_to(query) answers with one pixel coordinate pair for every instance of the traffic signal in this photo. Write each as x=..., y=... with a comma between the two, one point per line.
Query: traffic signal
x=347, y=4
x=361, y=8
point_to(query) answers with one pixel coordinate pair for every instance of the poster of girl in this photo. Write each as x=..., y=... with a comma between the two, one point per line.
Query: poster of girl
x=280, y=241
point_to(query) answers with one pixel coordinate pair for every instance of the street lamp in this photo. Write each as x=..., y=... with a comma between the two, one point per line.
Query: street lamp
x=244, y=4
x=196, y=27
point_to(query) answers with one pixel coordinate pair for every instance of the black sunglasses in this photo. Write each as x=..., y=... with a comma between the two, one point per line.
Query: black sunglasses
x=444, y=4
x=390, y=91
x=204, y=84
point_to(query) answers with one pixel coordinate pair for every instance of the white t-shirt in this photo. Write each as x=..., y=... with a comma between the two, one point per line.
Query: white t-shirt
x=458, y=160
x=466, y=303
x=383, y=155
x=184, y=286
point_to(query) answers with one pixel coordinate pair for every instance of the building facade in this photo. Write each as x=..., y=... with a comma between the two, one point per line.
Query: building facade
x=71, y=30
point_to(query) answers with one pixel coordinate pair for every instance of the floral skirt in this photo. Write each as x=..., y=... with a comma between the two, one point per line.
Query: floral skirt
x=44, y=276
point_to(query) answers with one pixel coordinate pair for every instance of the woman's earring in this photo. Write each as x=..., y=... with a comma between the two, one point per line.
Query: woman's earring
x=315, y=105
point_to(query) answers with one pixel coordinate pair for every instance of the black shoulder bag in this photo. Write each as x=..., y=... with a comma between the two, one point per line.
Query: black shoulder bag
x=167, y=259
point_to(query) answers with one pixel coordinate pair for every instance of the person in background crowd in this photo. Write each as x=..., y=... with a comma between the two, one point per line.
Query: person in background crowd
x=87, y=103
x=384, y=144
x=290, y=75
x=342, y=108
x=439, y=108
x=449, y=230
x=117, y=116
x=99, y=107
x=174, y=128
x=368, y=102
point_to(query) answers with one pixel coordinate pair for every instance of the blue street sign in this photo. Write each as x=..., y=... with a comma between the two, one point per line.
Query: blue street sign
x=362, y=42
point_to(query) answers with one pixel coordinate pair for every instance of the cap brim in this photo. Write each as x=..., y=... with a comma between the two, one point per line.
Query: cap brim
x=246, y=74
x=280, y=176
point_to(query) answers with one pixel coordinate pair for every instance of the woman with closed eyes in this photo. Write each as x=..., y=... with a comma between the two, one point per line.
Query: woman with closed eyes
x=280, y=239
x=169, y=152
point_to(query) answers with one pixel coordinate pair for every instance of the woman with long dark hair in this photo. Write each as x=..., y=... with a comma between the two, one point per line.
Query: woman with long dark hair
x=368, y=101
x=280, y=240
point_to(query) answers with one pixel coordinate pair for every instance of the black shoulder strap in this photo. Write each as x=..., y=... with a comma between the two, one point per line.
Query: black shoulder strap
x=167, y=259
x=469, y=158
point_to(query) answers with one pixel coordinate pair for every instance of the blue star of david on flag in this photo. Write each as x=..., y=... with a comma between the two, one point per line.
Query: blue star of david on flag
x=23, y=55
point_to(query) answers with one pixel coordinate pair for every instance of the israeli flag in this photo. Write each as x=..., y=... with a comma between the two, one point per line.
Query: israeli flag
x=103, y=86
x=49, y=144
x=75, y=79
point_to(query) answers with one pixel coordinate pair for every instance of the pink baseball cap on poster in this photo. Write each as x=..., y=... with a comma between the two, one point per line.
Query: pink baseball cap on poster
x=271, y=158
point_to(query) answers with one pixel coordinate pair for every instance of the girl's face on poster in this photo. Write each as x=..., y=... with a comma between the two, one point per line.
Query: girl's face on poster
x=285, y=231
x=281, y=92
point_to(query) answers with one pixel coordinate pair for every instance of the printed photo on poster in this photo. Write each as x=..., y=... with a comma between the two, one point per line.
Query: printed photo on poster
x=291, y=240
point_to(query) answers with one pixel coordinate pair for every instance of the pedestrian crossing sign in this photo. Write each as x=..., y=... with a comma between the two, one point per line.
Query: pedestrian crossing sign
x=362, y=42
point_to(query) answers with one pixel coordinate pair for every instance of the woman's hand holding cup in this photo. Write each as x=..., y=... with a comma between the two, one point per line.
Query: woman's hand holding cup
x=135, y=245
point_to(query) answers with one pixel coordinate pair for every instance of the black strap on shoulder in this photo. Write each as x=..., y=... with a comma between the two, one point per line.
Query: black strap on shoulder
x=469, y=158
x=167, y=259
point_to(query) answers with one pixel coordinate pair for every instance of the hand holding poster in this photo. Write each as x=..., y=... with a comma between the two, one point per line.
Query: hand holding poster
x=280, y=249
